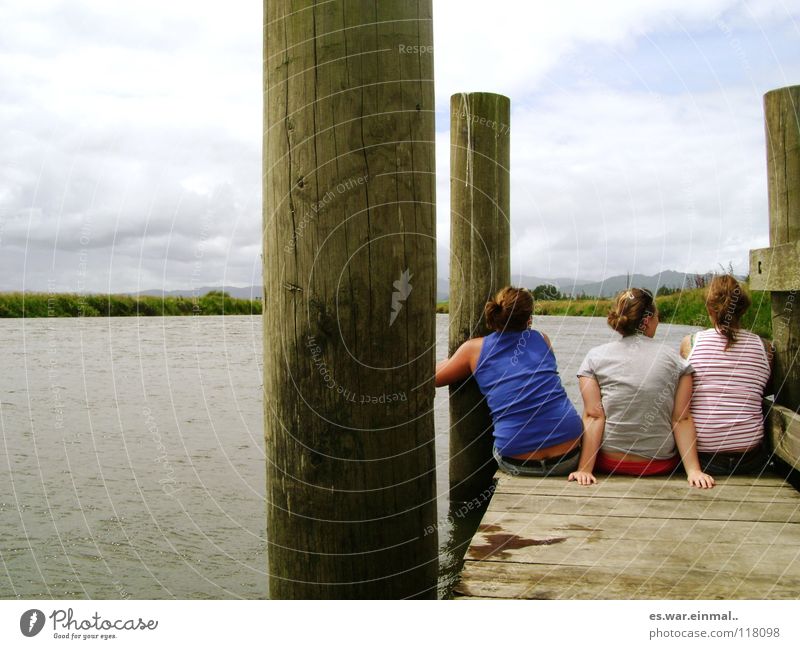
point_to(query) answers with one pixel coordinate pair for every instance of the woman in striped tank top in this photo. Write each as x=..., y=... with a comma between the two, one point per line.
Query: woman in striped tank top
x=732, y=369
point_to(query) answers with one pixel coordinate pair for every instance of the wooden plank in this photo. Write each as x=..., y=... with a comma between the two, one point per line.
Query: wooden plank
x=733, y=494
x=776, y=268
x=637, y=538
x=691, y=508
x=644, y=488
x=766, y=480
x=610, y=527
x=525, y=581
x=668, y=549
x=783, y=429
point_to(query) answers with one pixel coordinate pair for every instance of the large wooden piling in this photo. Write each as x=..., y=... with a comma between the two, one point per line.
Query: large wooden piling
x=777, y=268
x=350, y=290
x=479, y=267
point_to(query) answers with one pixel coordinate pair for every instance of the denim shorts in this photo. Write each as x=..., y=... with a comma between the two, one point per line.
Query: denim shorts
x=752, y=462
x=562, y=466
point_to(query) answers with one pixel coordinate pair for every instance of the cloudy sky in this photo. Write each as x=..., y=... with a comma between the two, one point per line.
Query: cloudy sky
x=130, y=134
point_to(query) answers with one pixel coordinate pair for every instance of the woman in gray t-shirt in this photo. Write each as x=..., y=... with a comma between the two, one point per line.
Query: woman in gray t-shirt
x=636, y=395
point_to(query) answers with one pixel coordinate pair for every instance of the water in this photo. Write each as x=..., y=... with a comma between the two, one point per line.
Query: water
x=133, y=459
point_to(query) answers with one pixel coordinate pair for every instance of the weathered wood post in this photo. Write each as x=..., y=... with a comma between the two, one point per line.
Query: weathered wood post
x=479, y=266
x=777, y=268
x=350, y=291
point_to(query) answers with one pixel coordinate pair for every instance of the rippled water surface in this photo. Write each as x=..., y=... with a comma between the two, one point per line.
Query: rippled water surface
x=132, y=453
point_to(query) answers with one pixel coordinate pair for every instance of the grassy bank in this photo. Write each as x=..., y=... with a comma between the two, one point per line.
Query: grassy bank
x=687, y=307
x=65, y=305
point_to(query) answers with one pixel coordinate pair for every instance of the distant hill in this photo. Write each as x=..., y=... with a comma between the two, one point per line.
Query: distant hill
x=568, y=285
x=564, y=284
x=242, y=292
x=613, y=285
x=608, y=287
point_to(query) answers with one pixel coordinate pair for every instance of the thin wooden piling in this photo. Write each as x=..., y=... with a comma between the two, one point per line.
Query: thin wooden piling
x=479, y=267
x=350, y=290
x=777, y=268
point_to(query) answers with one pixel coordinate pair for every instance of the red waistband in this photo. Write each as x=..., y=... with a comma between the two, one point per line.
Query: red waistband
x=605, y=464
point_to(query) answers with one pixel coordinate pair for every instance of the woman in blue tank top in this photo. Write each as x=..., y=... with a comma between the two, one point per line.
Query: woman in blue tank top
x=536, y=428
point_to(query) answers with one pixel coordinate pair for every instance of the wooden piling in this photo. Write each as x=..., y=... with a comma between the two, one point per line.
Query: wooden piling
x=350, y=290
x=777, y=268
x=479, y=267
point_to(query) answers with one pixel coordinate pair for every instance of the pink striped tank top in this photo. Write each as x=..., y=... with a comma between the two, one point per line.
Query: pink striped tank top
x=728, y=385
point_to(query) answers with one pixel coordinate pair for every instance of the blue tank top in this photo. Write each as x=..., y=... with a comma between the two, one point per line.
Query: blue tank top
x=517, y=374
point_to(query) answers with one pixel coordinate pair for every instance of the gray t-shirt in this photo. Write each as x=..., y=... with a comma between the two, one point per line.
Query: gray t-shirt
x=638, y=378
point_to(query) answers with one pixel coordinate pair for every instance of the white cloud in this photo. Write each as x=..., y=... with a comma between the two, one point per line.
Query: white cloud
x=127, y=122
x=136, y=121
x=507, y=47
x=614, y=178
x=611, y=182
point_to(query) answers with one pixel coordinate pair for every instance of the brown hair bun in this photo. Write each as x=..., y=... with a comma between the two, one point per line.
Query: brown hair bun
x=509, y=310
x=617, y=321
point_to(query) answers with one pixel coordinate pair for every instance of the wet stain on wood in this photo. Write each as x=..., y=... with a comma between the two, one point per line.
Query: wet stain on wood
x=499, y=544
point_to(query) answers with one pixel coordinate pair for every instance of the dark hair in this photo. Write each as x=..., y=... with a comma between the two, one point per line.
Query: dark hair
x=726, y=302
x=630, y=309
x=509, y=310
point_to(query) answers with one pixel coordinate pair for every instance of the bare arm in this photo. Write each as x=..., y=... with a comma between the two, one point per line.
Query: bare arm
x=769, y=348
x=594, y=423
x=686, y=346
x=686, y=436
x=460, y=365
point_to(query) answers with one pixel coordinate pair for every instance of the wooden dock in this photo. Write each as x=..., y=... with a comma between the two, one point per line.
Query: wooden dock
x=636, y=538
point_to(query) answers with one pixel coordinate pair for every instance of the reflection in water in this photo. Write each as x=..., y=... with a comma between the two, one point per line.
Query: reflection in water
x=134, y=457
x=463, y=519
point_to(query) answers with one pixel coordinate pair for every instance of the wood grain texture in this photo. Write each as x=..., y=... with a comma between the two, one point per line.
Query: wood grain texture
x=783, y=431
x=596, y=527
x=349, y=298
x=782, y=120
x=767, y=488
x=480, y=265
x=776, y=268
x=636, y=538
x=628, y=507
x=526, y=581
